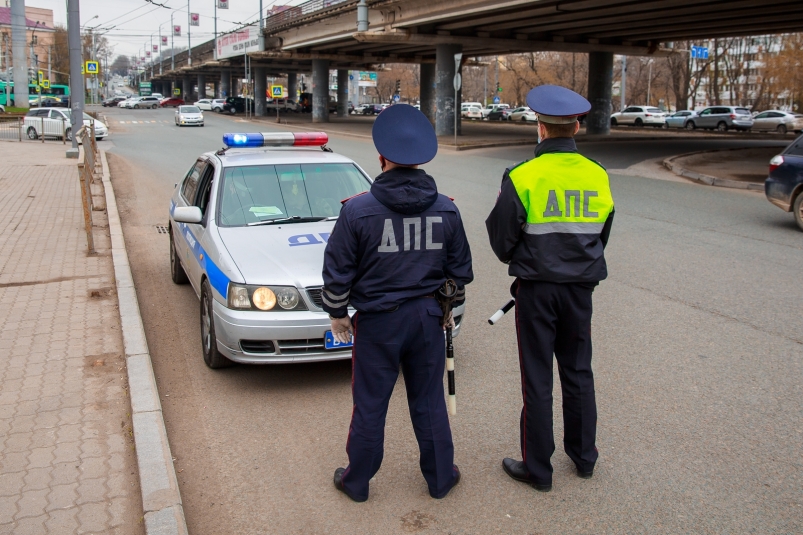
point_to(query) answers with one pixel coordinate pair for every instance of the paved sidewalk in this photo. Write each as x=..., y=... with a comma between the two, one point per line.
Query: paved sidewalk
x=67, y=462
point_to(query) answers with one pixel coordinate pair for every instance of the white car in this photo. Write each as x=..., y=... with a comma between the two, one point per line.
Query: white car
x=284, y=104
x=640, y=116
x=2, y=109
x=205, y=104
x=124, y=103
x=778, y=121
x=55, y=123
x=189, y=115
x=149, y=102
x=464, y=107
x=473, y=112
x=522, y=114
x=157, y=95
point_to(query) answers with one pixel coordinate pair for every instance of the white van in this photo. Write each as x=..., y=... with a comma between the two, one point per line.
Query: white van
x=464, y=107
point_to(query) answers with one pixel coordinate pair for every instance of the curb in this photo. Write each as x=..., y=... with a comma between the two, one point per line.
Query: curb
x=708, y=180
x=161, y=500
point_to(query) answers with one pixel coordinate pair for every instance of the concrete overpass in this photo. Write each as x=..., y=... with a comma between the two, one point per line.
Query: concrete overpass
x=320, y=35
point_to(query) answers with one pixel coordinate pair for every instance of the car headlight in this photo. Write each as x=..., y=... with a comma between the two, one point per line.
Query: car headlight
x=264, y=298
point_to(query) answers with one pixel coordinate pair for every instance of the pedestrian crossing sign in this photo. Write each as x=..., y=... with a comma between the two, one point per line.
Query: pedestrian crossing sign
x=176, y=91
x=46, y=84
x=276, y=91
x=92, y=67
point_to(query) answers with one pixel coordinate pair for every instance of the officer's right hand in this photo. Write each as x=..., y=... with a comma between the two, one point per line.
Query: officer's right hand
x=449, y=322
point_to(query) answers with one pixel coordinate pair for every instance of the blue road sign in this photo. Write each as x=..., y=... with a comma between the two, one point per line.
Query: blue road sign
x=497, y=100
x=351, y=77
x=396, y=98
x=699, y=52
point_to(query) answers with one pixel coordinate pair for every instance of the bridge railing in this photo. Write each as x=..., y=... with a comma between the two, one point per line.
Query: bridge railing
x=300, y=11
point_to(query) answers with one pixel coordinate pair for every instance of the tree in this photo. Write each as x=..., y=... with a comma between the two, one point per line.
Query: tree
x=121, y=65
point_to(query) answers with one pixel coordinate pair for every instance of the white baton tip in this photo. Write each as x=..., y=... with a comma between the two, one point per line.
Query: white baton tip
x=496, y=317
x=449, y=365
x=452, y=404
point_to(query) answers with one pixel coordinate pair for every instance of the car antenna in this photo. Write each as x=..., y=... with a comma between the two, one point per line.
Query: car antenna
x=222, y=151
x=326, y=149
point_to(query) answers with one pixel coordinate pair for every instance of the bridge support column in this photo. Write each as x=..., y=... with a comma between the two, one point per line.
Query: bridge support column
x=201, y=87
x=447, y=105
x=292, y=86
x=260, y=86
x=600, y=87
x=320, y=91
x=186, y=89
x=225, y=83
x=342, y=93
x=216, y=89
x=428, y=91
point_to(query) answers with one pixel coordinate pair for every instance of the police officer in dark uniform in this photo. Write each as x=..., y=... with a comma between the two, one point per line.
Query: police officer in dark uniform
x=390, y=251
x=550, y=224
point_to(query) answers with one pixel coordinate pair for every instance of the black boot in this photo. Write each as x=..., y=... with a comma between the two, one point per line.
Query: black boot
x=338, y=480
x=518, y=471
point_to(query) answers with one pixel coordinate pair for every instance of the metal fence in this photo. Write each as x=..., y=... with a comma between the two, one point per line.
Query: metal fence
x=302, y=10
x=11, y=128
x=35, y=129
x=86, y=175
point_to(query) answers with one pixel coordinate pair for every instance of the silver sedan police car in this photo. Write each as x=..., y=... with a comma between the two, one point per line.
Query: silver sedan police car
x=248, y=228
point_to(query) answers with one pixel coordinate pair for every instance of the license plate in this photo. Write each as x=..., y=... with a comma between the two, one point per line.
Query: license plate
x=329, y=342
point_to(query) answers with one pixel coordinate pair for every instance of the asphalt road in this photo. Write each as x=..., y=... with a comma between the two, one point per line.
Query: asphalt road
x=698, y=360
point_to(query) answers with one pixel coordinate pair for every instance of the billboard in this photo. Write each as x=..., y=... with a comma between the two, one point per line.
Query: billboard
x=223, y=4
x=164, y=40
x=177, y=31
x=238, y=42
x=367, y=79
x=195, y=19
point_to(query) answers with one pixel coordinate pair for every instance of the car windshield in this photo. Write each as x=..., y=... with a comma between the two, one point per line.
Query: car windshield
x=251, y=194
x=189, y=109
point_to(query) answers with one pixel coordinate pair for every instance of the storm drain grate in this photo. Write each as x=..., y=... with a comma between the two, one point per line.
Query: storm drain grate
x=161, y=229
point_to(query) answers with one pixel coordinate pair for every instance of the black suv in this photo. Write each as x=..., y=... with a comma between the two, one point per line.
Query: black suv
x=784, y=186
x=237, y=105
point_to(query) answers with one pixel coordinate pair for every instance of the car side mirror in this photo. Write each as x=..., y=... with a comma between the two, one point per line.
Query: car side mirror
x=187, y=214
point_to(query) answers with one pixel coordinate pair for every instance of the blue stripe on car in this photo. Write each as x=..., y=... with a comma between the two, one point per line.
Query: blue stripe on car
x=217, y=278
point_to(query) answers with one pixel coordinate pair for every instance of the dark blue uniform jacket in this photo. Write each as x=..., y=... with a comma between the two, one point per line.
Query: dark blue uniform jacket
x=399, y=241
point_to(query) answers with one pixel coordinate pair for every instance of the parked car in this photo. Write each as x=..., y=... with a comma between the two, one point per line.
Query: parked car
x=172, y=102
x=499, y=114
x=778, y=121
x=491, y=107
x=237, y=105
x=784, y=185
x=124, y=103
x=722, y=118
x=640, y=116
x=145, y=102
x=189, y=115
x=474, y=113
x=372, y=109
x=217, y=104
x=114, y=101
x=284, y=104
x=159, y=96
x=680, y=119
x=211, y=104
x=522, y=114
x=464, y=107
x=56, y=123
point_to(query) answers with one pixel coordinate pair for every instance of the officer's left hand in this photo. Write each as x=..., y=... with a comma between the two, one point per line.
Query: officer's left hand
x=341, y=329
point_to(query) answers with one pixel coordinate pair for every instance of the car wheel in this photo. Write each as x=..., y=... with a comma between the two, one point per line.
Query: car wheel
x=212, y=356
x=154, y=106
x=31, y=133
x=613, y=121
x=781, y=129
x=664, y=126
x=722, y=126
x=797, y=208
x=523, y=119
x=639, y=123
x=177, y=273
x=690, y=125
x=232, y=111
x=68, y=134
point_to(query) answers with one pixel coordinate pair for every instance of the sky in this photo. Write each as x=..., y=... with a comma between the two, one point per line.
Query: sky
x=131, y=22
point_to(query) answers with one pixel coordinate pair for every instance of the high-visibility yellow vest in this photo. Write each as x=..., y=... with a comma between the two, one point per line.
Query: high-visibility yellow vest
x=563, y=192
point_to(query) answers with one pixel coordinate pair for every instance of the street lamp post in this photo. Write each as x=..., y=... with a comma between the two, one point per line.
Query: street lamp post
x=172, y=48
x=649, y=81
x=35, y=61
x=189, y=44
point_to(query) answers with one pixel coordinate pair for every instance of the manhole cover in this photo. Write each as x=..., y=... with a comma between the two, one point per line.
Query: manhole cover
x=161, y=229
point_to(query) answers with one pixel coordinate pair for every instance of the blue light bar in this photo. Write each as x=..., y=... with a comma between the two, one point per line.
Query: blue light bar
x=243, y=140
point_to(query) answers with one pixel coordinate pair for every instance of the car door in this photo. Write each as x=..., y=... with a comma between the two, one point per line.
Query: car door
x=705, y=119
x=186, y=242
x=207, y=250
x=55, y=124
x=761, y=121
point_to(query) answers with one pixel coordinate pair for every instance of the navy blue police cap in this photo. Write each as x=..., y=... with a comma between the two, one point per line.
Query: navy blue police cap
x=403, y=135
x=557, y=105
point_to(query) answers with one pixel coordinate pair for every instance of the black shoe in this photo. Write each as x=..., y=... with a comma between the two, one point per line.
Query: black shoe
x=518, y=471
x=339, y=485
x=456, y=481
x=585, y=475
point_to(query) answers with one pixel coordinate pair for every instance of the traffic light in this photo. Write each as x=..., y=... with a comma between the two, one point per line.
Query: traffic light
x=398, y=87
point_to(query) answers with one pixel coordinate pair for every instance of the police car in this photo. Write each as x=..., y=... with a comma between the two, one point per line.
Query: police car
x=248, y=228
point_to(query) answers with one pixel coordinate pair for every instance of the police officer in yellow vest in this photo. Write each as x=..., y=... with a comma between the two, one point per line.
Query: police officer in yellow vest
x=550, y=224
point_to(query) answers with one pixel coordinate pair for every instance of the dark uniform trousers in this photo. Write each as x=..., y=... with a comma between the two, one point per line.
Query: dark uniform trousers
x=411, y=339
x=555, y=318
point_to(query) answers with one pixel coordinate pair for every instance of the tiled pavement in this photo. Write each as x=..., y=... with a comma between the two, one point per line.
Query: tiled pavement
x=67, y=462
